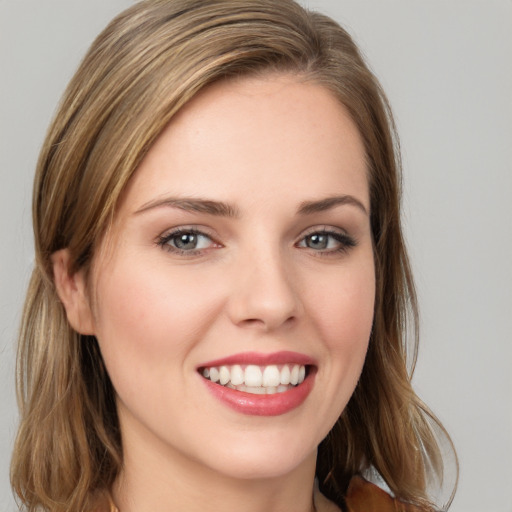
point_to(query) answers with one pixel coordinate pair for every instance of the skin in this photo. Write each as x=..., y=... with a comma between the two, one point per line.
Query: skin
x=256, y=283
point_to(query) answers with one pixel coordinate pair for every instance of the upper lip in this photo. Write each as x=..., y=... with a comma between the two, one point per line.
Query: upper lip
x=260, y=359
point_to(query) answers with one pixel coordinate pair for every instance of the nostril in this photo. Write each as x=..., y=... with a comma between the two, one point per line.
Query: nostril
x=267, y=323
x=253, y=322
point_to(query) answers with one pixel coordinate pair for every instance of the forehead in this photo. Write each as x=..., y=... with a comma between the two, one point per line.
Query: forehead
x=249, y=138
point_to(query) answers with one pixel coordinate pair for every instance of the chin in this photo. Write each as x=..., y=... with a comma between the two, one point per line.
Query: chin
x=263, y=459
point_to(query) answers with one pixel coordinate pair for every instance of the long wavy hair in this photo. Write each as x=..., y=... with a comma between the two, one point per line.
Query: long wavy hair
x=149, y=62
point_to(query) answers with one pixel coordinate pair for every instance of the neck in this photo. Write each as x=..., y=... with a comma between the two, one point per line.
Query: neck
x=159, y=480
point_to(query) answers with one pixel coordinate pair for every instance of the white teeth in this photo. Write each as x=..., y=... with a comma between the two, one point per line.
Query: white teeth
x=237, y=375
x=294, y=375
x=256, y=390
x=285, y=375
x=253, y=376
x=224, y=375
x=271, y=376
x=214, y=374
x=302, y=374
x=255, y=379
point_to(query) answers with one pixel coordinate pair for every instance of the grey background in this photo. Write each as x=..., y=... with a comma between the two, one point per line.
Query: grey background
x=446, y=66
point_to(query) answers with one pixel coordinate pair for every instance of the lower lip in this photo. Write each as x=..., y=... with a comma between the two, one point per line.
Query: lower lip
x=262, y=405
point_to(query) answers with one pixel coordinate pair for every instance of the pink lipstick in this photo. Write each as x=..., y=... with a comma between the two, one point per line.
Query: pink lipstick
x=260, y=384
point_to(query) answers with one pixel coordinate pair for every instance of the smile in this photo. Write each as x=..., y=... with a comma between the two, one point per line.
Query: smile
x=258, y=384
x=257, y=380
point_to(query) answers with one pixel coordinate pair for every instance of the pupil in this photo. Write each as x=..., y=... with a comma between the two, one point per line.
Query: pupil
x=186, y=241
x=317, y=241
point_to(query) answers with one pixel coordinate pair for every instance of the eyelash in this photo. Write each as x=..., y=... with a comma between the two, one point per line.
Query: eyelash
x=345, y=241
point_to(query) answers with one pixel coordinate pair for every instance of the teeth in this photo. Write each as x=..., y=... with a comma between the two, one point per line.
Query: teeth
x=294, y=375
x=285, y=375
x=257, y=380
x=256, y=390
x=237, y=375
x=271, y=376
x=214, y=374
x=253, y=376
x=224, y=375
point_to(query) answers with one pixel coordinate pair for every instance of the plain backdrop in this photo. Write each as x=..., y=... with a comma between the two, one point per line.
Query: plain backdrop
x=447, y=68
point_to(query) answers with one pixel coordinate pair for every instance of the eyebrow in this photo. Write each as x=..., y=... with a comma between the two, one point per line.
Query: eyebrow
x=217, y=208
x=222, y=209
x=310, y=207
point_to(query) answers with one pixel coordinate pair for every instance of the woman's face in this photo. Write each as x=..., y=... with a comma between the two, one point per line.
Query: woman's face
x=240, y=256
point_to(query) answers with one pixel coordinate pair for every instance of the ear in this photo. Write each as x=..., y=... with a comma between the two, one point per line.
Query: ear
x=72, y=291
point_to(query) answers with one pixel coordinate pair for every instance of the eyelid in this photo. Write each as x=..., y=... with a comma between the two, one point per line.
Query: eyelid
x=323, y=228
x=188, y=228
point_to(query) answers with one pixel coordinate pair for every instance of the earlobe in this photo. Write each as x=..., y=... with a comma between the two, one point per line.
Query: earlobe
x=72, y=291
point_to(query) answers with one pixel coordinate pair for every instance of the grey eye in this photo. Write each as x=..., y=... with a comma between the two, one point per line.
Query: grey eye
x=317, y=241
x=327, y=242
x=185, y=241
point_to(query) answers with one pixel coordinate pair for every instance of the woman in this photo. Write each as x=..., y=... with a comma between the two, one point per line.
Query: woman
x=218, y=310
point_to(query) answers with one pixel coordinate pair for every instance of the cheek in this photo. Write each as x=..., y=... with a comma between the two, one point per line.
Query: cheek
x=150, y=314
x=343, y=311
x=342, y=314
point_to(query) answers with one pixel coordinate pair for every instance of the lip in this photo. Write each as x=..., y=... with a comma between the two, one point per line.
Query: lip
x=259, y=359
x=263, y=405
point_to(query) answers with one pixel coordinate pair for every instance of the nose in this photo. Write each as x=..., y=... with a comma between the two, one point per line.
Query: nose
x=264, y=295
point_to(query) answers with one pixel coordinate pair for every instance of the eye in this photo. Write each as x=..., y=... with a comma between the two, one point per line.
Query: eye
x=185, y=240
x=327, y=241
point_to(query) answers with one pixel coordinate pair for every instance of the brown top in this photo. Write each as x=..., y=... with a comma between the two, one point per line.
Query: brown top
x=362, y=496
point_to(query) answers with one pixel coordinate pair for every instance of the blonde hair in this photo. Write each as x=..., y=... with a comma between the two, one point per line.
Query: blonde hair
x=139, y=72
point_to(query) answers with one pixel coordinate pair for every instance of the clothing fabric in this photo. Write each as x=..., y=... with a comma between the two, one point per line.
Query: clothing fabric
x=363, y=496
